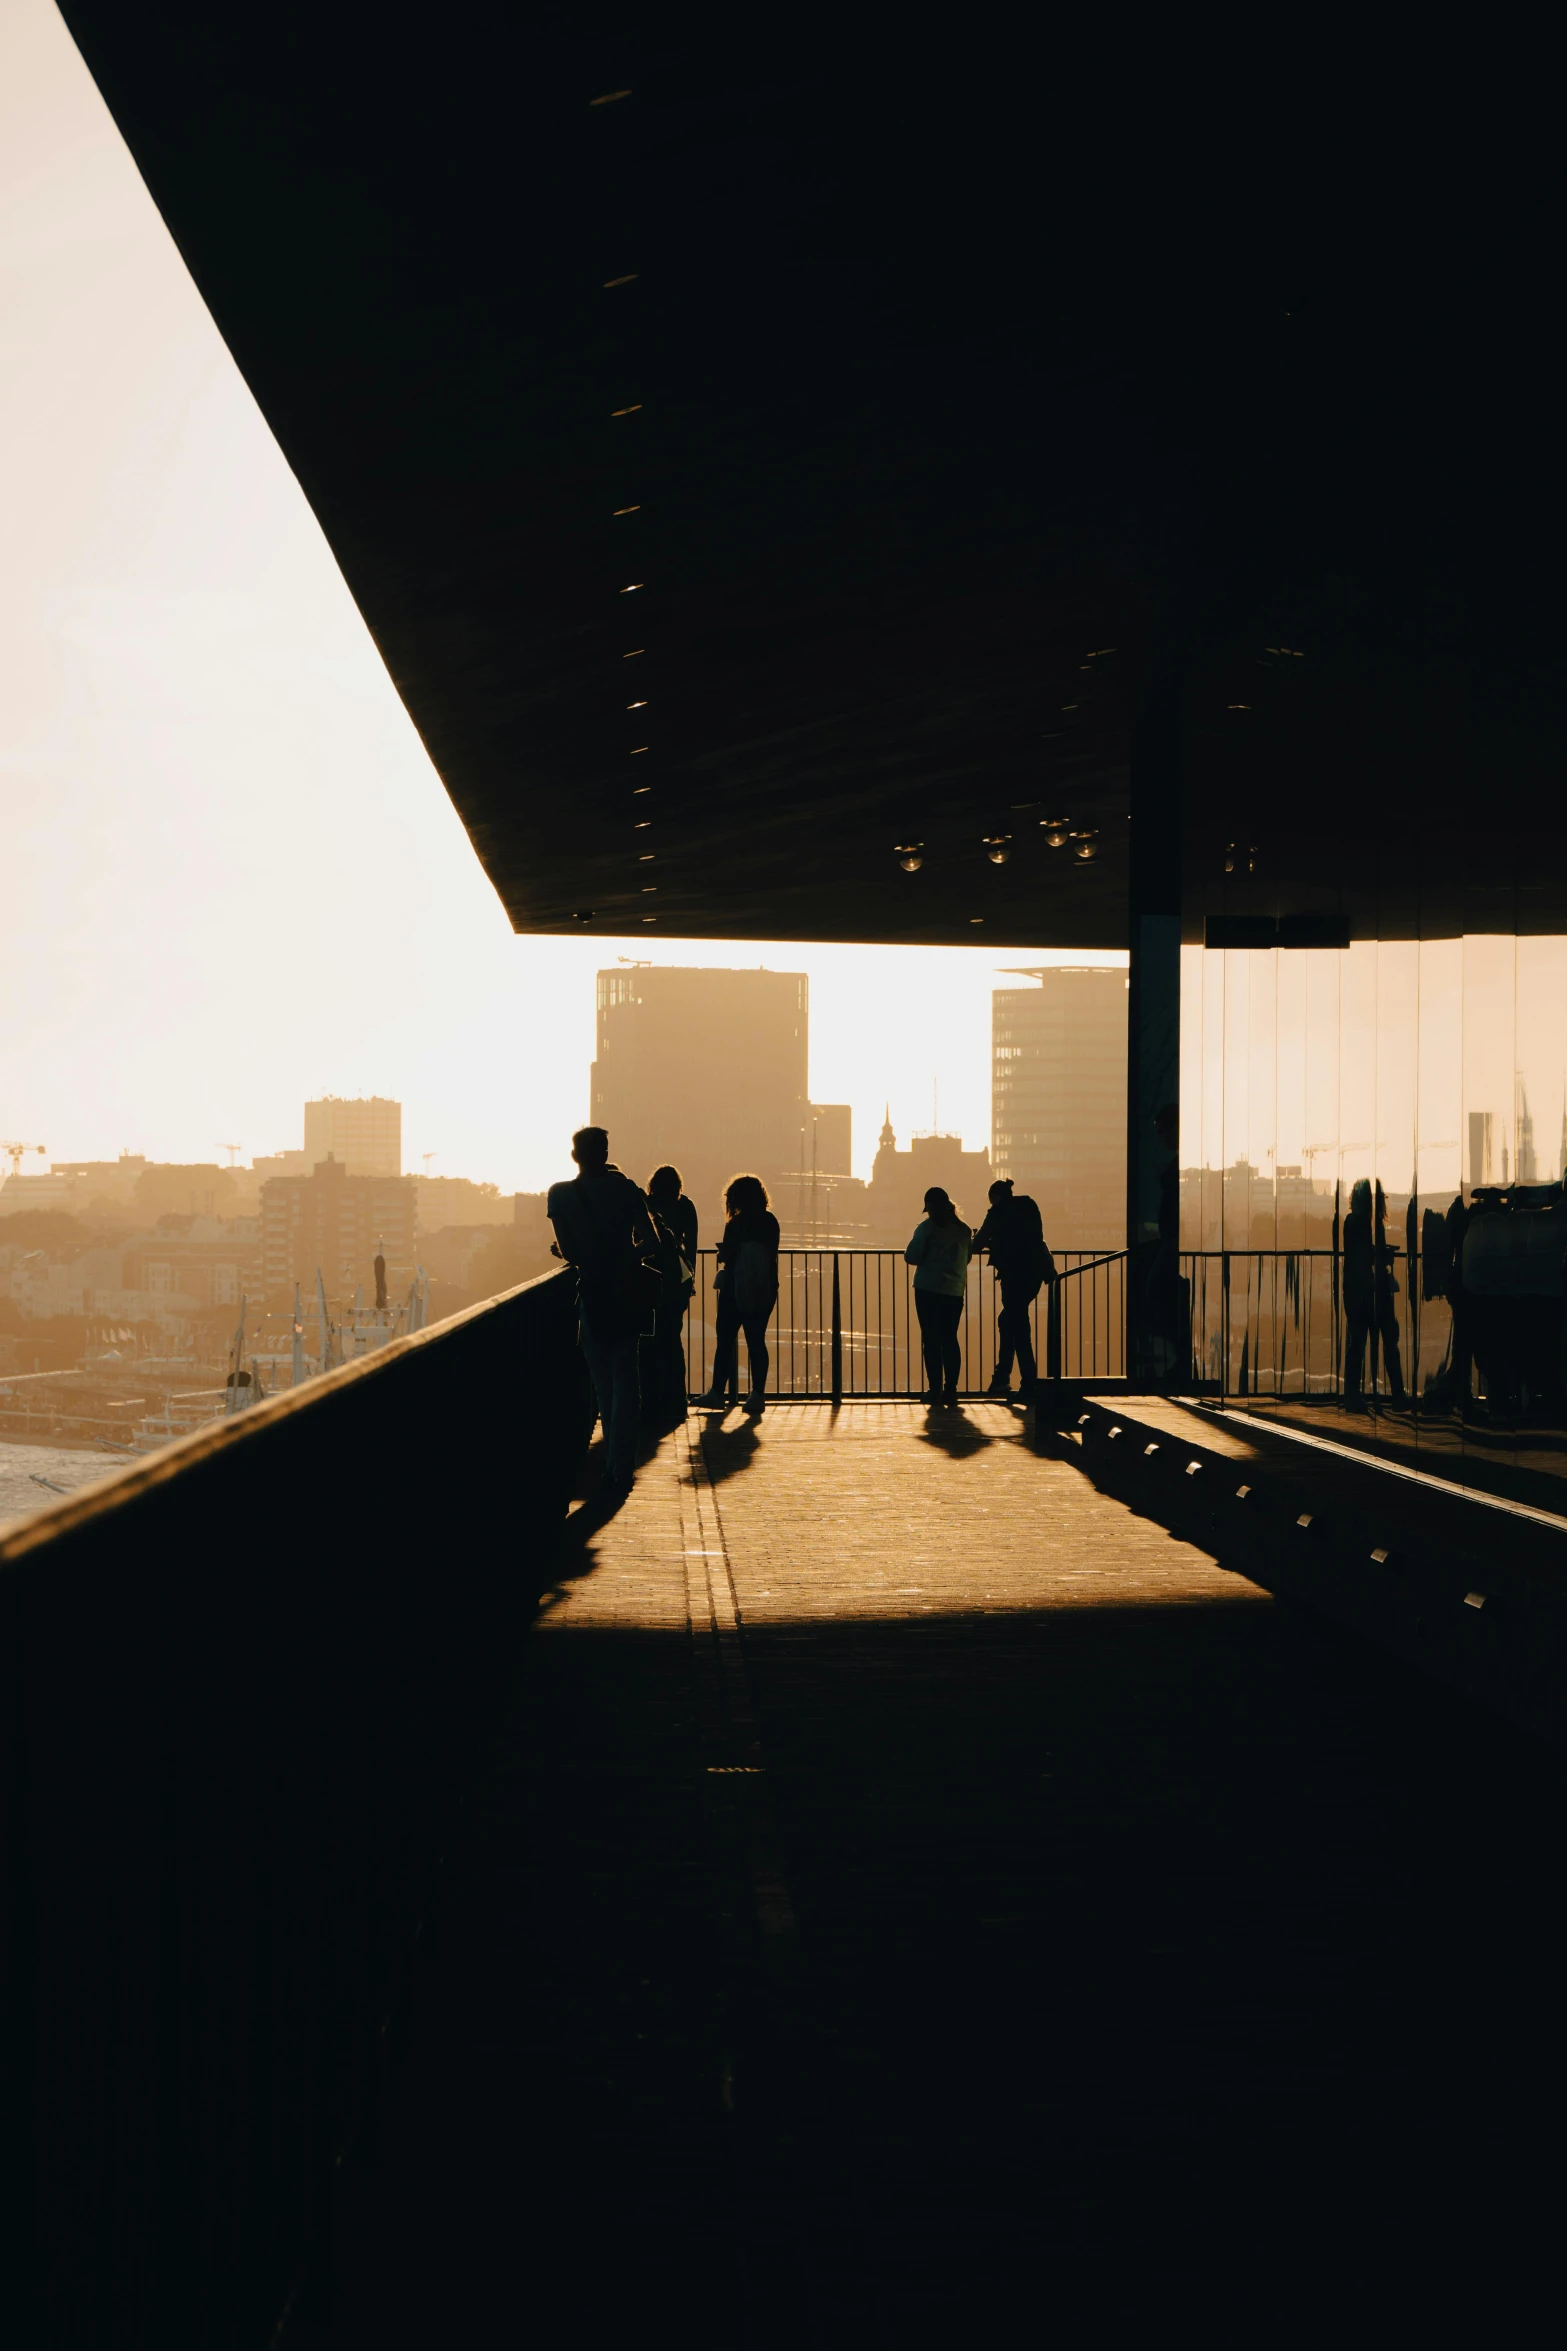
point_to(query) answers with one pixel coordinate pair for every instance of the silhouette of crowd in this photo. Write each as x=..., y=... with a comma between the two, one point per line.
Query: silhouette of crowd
x=634, y=1253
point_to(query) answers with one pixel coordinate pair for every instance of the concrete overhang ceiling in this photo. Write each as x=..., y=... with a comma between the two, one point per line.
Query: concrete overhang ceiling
x=756, y=449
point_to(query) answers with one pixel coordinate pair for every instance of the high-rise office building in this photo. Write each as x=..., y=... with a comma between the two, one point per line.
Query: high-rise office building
x=335, y=1222
x=705, y=1070
x=1058, y=1100
x=365, y=1133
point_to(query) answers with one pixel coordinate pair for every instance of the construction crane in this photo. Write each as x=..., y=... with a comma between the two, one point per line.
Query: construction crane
x=233, y=1150
x=14, y=1151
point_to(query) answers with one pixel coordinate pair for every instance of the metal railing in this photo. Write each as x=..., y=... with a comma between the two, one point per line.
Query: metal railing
x=1241, y=1322
x=1273, y=1322
x=846, y=1326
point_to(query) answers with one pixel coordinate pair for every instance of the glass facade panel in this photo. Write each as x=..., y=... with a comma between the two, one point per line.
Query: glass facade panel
x=1541, y=1015
x=1373, y=1214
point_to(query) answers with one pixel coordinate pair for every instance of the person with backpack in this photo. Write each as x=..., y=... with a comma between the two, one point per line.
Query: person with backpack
x=604, y=1230
x=939, y=1251
x=747, y=1282
x=1014, y=1235
x=674, y=1222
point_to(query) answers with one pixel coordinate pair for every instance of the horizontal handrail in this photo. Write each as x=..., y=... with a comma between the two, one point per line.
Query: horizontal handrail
x=847, y=1324
x=1236, y=1249
x=1292, y=1322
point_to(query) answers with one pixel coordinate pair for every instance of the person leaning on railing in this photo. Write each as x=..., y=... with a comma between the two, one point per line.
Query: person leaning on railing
x=1013, y=1235
x=939, y=1251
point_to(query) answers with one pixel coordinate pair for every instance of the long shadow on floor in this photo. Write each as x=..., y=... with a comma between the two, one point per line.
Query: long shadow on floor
x=728, y=1449
x=1182, y=1967
x=949, y=1428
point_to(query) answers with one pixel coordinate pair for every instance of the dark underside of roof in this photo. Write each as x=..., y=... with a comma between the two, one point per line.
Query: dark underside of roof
x=758, y=446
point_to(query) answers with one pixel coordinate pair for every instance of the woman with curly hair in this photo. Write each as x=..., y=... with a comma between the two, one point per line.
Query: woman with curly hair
x=747, y=1292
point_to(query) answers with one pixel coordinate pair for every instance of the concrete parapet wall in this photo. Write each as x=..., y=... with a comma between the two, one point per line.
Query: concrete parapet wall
x=248, y=1685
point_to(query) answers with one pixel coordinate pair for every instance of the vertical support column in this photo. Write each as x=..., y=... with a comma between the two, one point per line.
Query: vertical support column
x=837, y=1336
x=1156, y=1353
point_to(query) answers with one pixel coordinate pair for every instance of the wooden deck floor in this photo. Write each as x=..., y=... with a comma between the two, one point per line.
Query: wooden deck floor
x=922, y=1902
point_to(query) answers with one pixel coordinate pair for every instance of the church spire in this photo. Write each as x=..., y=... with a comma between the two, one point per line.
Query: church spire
x=888, y=1140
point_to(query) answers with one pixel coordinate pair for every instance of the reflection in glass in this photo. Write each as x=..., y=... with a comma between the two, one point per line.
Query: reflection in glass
x=1373, y=1215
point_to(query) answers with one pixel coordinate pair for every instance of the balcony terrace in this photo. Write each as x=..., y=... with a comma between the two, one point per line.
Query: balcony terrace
x=879, y=1885
x=966, y=1879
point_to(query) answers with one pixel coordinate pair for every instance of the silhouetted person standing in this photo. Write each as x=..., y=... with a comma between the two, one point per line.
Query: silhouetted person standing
x=380, y=1280
x=602, y=1227
x=1385, y=1321
x=1359, y=1290
x=939, y=1251
x=674, y=1220
x=747, y=1292
x=1369, y=1291
x=1453, y=1387
x=1013, y=1234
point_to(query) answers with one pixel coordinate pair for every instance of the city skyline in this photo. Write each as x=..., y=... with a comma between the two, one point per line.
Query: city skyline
x=235, y=880
x=905, y=1027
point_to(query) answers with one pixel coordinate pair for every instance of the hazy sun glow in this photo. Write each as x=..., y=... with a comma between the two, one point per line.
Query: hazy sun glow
x=232, y=878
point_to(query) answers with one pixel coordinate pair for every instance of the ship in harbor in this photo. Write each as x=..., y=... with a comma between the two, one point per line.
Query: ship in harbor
x=127, y=1405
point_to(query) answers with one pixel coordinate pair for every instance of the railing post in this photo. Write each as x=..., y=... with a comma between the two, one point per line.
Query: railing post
x=837, y=1336
x=1053, y=1331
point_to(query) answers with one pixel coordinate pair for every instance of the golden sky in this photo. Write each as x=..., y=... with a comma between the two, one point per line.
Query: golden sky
x=232, y=878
